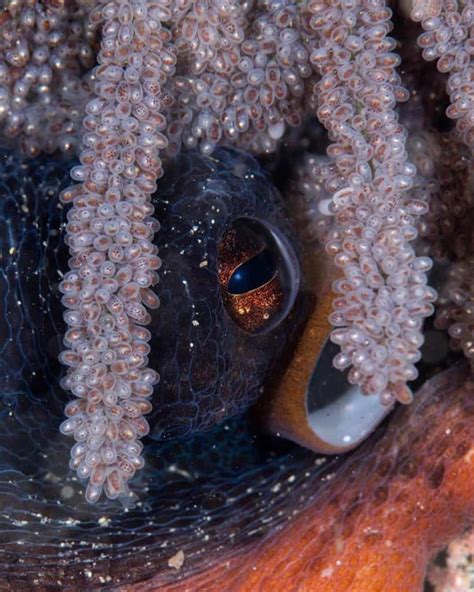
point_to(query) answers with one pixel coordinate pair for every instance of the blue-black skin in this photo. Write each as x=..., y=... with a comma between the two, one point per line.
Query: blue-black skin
x=198, y=493
x=210, y=369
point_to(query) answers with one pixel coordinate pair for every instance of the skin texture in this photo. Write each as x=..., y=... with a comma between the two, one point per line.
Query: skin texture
x=373, y=527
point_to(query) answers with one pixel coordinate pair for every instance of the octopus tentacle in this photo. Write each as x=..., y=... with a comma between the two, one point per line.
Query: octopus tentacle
x=374, y=529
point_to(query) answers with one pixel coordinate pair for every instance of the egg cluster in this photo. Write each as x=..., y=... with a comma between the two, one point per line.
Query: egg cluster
x=114, y=261
x=383, y=296
x=456, y=310
x=445, y=181
x=243, y=72
x=247, y=73
x=308, y=191
x=448, y=39
x=46, y=54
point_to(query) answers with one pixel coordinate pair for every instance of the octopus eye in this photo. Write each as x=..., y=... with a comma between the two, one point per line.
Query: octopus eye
x=258, y=275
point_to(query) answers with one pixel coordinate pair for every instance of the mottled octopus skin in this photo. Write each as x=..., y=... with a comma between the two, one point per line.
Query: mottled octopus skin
x=374, y=524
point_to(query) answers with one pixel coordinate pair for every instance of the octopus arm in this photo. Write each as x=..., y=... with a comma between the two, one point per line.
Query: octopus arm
x=374, y=528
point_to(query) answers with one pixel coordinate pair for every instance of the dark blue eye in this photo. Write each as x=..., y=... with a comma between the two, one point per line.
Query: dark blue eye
x=254, y=273
x=258, y=275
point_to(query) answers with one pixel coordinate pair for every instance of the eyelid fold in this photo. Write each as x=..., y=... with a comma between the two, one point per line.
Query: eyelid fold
x=311, y=403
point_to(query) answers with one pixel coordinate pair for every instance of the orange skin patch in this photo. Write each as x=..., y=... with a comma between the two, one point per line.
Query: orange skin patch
x=373, y=525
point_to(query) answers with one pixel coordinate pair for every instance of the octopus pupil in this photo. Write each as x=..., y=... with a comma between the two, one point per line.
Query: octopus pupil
x=254, y=273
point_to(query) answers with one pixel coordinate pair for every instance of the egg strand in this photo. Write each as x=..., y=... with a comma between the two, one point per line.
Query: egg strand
x=448, y=38
x=114, y=262
x=382, y=296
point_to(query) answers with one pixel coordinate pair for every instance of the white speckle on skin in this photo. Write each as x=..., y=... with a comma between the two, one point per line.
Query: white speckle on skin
x=327, y=573
x=104, y=521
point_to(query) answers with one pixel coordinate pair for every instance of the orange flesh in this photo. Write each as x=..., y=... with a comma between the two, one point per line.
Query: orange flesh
x=373, y=526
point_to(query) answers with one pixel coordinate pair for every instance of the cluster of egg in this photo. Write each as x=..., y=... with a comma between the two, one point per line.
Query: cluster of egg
x=456, y=314
x=383, y=295
x=445, y=182
x=114, y=261
x=46, y=54
x=247, y=73
x=243, y=72
x=448, y=39
x=307, y=191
